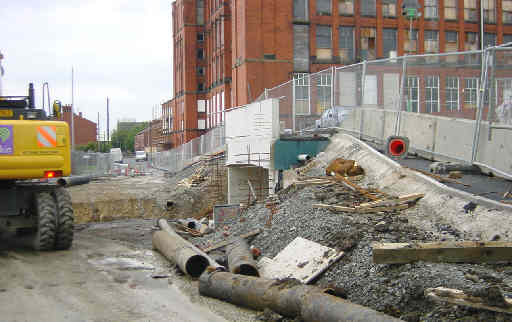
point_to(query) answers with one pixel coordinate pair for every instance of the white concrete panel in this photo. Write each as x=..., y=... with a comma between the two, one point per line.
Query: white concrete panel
x=370, y=90
x=498, y=151
x=373, y=122
x=420, y=129
x=302, y=259
x=238, y=186
x=391, y=90
x=454, y=137
x=347, y=83
x=252, y=129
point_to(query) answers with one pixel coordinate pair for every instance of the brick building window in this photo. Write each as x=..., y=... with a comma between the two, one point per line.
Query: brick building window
x=346, y=7
x=431, y=9
x=389, y=8
x=368, y=8
x=432, y=94
x=431, y=41
x=323, y=89
x=470, y=11
x=300, y=10
x=489, y=11
x=367, y=44
x=412, y=94
x=200, y=70
x=452, y=41
x=301, y=93
x=506, y=7
x=450, y=9
x=452, y=93
x=470, y=92
x=200, y=87
x=323, y=7
x=489, y=39
x=471, y=42
x=200, y=36
x=323, y=43
x=507, y=39
x=200, y=53
x=410, y=41
x=346, y=44
x=200, y=12
x=389, y=41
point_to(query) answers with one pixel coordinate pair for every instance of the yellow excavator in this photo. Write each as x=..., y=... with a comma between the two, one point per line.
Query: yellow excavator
x=34, y=147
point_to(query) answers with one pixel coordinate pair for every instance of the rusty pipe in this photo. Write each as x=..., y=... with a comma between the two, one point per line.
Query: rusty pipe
x=240, y=259
x=189, y=258
x=288, y=297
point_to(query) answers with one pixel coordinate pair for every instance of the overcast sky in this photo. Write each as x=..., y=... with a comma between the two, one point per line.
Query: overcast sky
x=118, y=48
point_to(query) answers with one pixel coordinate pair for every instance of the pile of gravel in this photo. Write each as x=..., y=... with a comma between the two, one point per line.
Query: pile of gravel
x=394, y=289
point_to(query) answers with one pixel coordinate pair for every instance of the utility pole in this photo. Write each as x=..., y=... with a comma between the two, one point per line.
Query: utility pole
x=72, y=108
x=108, y=122
x=98, y=134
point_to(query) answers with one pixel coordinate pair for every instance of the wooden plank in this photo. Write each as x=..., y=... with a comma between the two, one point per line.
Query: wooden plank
x=380, y=209
x=312, y=183
x=334, y=208
x=355, y=187
x=227, y=242
x=439, y=178
x=439, y=252
x=401, y=199
x=442, y=294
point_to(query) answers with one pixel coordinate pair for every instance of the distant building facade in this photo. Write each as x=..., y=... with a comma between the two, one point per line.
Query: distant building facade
x=85, y=131
x=227, y=53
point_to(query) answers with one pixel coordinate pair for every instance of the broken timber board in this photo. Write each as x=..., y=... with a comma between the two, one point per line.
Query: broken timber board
x=227, y=242
x=401, y=199
x=442, y=252
x=379, y=209
x=334, y=208
x=356, y=187
x=442, y=294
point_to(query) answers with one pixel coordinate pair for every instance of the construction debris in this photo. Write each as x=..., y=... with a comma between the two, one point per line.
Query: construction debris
x=381, y=205
x=344, y=168
x=447, y=252
x=227, y=242
x=489, y=298
x=302, y=259
x=189, y=258
x=287, y=297
x=240, y=259
x=438, y=177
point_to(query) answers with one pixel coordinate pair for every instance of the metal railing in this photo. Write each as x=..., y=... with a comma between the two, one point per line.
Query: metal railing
x=176, y=159
x=454, y=106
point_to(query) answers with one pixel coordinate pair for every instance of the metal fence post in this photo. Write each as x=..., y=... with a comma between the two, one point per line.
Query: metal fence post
x=293, y=105
x=363, y=84
x=332, y=86
x=480, y=106
x=401, y=98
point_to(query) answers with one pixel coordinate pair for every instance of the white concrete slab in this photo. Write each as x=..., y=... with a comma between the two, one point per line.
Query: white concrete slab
x=302, y=259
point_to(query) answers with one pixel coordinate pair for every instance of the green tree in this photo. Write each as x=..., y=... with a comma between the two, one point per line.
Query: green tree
x=125, y=139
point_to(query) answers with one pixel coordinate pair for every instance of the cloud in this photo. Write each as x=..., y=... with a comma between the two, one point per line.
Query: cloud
x=118, y=48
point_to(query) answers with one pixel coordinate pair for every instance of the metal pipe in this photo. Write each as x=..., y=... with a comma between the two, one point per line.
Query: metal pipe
x=240, y=259
x=31, y=102
x=287, y=297
x=73, y=181
x=178, y=247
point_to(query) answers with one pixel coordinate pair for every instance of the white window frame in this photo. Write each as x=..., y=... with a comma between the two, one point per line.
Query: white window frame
x=431, y=9
x=324, y=80
x=302, y=80
x=470, y=91
x=409, y=91
x=447, y=6
x=506, y=6
x=431, y=99
x=449, y=88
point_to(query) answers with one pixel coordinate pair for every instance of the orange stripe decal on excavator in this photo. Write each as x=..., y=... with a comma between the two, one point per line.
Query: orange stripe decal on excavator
x=46, y=136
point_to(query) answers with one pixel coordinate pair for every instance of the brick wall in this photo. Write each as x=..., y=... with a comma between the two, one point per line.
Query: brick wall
x=84, y=130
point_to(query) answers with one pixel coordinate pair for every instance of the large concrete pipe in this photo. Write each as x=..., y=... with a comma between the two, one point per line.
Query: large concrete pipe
x=73, y=180
x=189, y=258
x=240, y=259
x=286, y=297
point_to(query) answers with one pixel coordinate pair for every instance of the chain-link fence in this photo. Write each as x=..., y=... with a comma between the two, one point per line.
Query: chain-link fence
x=92, y=164
x=178, y=158
x=443, y=102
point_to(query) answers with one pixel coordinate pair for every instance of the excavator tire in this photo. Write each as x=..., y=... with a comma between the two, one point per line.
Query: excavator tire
x=46, y=211
x=65, y=219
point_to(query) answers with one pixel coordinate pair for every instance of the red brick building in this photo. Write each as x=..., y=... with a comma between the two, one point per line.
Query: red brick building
x=226, y=52
x=150, y=139
x=85, y=130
